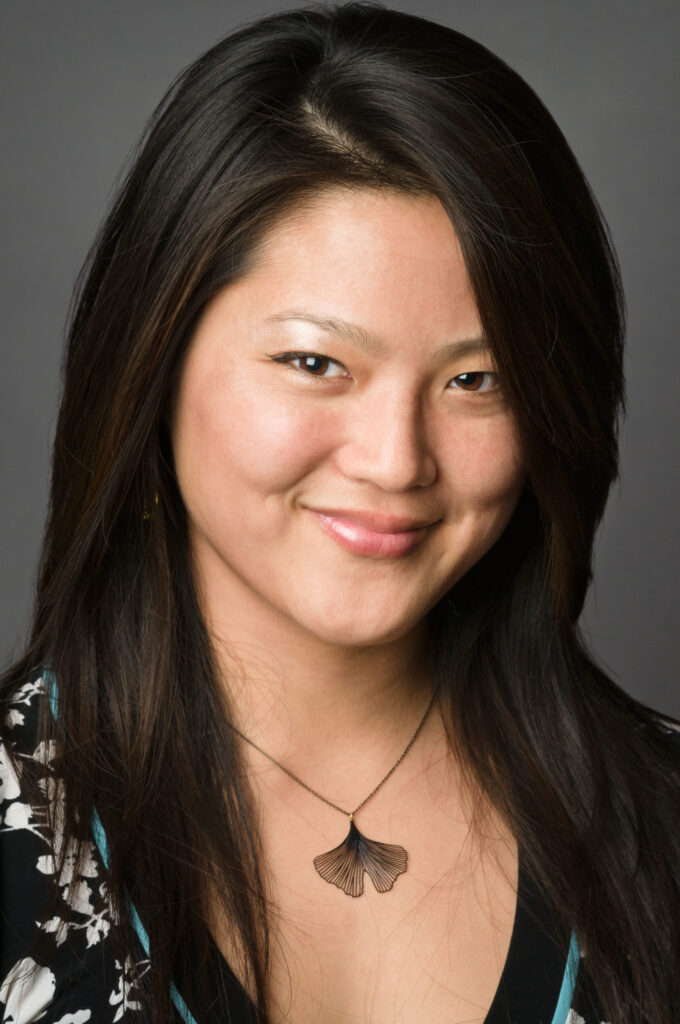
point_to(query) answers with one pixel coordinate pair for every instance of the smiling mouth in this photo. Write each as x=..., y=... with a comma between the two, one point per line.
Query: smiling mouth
x=362, y=540
x=378, y=522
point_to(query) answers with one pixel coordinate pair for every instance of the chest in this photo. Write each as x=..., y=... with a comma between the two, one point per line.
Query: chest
x=431, y=948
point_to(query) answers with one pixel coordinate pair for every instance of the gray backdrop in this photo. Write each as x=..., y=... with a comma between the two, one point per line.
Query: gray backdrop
x=79, y=79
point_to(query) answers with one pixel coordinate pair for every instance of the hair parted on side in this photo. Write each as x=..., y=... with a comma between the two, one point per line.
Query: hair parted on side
x=351, y=96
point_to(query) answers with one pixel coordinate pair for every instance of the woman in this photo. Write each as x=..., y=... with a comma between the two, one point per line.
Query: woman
x=339, y=422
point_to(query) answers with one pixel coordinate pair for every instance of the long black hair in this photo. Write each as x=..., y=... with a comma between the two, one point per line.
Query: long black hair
x=364, y=97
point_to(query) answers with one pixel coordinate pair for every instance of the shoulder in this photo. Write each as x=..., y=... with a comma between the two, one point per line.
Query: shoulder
x=669, y=727
x=22, y=754
x=55, y=957
x=666, y=734
x=22, y=706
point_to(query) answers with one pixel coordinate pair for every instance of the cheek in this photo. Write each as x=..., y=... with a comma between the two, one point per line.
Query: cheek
x=227, y=438
x=484, y=478
x=483, y=465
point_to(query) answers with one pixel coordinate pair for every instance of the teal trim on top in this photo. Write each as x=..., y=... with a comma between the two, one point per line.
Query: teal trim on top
x=103, y=847
x=564, y=1000
x=566, y=995
x=53, y=692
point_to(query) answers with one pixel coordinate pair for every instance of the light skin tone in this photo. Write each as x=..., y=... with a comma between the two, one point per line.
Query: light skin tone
x=321, y=647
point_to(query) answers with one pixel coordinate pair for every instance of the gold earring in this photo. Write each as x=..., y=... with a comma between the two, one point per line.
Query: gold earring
x=147, y=514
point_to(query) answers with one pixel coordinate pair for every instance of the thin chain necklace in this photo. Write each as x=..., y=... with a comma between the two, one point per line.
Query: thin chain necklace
x=344, y=866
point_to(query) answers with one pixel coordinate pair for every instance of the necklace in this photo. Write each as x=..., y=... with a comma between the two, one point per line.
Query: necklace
x=344, y=865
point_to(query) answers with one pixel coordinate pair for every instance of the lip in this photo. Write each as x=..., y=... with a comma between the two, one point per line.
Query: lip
x=377, y=522
x=362, y=539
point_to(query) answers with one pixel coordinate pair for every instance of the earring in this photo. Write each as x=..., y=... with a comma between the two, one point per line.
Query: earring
x=147, y=514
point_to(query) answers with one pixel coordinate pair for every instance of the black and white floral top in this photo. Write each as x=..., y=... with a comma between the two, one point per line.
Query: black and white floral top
x=81, y=981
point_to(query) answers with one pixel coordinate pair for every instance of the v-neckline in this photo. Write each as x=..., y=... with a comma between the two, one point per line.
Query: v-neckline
x=527, y=988
x=535, y=967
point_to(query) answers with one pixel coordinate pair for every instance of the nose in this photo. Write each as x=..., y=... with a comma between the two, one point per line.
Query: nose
x=387, y=445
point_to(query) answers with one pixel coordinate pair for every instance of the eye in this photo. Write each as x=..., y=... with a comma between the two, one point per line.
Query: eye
x=313, y=363
x=478, y=380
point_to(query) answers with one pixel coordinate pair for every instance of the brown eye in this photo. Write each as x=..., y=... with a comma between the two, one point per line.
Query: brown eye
x=479, y=380
x=314, y=364
x=311, y=363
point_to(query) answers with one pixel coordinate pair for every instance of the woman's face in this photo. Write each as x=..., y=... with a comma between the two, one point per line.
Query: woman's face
x=400, y=416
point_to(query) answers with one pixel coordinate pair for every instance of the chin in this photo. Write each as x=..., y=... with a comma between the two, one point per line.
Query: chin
x=360, y=631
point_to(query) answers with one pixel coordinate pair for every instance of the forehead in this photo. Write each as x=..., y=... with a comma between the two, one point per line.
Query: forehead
x=366, y=256
x=357, y=219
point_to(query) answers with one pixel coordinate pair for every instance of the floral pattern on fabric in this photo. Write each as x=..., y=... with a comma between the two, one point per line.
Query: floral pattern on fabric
x=83, y=982
x=31, y=991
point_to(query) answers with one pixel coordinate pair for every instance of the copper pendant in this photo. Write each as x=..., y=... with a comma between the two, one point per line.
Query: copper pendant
x=344, y=866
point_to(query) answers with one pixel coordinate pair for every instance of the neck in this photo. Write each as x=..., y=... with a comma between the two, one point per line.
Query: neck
x=301, y=696
x=314, y=704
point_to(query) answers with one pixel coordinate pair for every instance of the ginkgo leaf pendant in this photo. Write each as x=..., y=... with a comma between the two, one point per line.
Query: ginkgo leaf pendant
x=345, y=865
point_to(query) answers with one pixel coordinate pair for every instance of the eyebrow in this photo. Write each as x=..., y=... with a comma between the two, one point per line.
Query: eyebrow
x=372, y=344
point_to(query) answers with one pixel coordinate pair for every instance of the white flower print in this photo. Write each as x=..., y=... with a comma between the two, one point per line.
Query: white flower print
x=113, y=989
x=82, y=898
x=9, y=780
x=45, y=752
x=20, y=816
x=574, y=1018
x=25, y=994
x=97, y=924
x=58, y=927
x=97, y=928
x=14, y=717
x=47, y=863
x=26, y=693
x=113, y=912
x=122, y=994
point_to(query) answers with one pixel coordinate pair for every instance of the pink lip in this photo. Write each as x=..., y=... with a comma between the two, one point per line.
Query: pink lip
x=378, y=522
x=360, y=539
